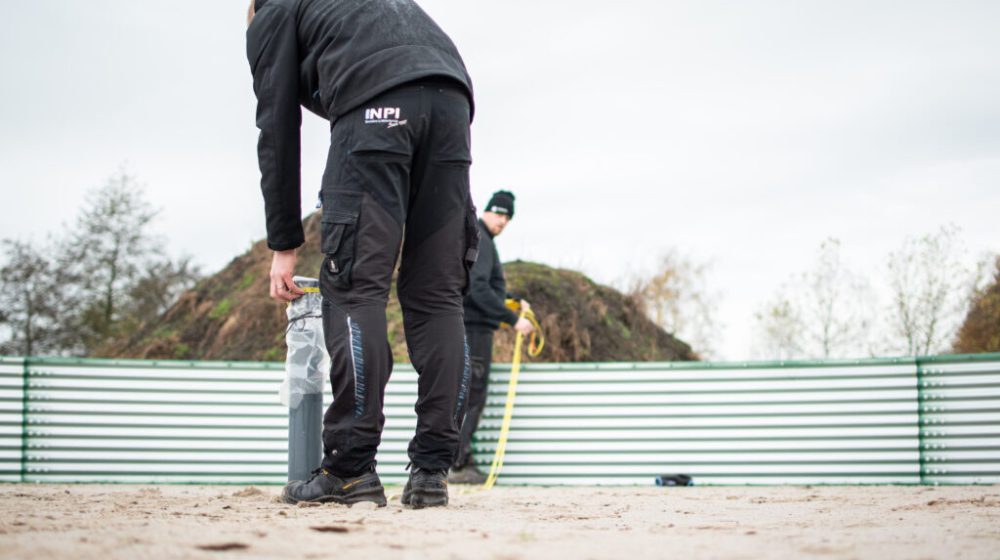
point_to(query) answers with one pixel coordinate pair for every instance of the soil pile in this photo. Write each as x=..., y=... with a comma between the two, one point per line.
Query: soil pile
x=584, y=321
x=229, y=316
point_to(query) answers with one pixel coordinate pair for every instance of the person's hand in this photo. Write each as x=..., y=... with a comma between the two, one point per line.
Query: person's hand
x=282, y=269
x=524, y=326
x=525, y=306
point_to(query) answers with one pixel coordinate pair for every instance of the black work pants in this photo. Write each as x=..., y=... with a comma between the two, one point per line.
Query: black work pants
x=398, y=163
x=480, y=357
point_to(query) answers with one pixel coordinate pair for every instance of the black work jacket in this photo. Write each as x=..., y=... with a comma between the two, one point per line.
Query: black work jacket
x=330, y=56
x=484, y=306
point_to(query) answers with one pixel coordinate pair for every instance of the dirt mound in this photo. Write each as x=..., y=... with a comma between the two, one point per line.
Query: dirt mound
x=584, y=321
x=228, y=316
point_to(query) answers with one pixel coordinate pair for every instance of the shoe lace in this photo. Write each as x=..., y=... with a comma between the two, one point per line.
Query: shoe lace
x=319, y=471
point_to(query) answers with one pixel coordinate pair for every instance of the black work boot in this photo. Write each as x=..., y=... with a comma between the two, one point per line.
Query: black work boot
x=325, y=487
x=467, y=474
x=426, y=488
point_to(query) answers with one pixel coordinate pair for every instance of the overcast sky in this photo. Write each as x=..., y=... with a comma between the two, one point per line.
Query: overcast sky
x=740, y=133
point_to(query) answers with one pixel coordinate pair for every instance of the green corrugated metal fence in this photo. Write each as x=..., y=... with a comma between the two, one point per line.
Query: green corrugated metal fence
x=12, y=418
x=960, y=419
x=900, y=421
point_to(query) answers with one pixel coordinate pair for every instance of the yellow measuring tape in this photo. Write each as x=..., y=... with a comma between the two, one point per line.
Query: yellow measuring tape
x=535, y=344
x=536, y=341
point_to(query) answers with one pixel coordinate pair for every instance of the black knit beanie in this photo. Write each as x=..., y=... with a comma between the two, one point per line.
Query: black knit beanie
x=502, y=202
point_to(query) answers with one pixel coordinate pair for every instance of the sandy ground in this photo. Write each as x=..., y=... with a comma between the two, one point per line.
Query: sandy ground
x=107, y=521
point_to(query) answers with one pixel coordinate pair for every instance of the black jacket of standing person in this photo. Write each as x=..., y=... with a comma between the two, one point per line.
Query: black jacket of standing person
x=484, y=311
x=330, y=56
x=485, y=304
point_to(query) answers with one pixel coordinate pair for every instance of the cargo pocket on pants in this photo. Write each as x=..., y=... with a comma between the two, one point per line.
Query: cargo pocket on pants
x=340, y=235
x=471, y=245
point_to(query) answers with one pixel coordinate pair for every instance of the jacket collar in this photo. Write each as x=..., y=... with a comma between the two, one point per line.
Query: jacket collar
x=483, y=227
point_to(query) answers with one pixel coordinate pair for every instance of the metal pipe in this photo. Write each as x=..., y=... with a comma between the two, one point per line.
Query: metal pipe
x=306, y=367
x=305, y=428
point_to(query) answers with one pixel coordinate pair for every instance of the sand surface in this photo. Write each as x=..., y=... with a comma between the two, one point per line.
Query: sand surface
x=884, y=522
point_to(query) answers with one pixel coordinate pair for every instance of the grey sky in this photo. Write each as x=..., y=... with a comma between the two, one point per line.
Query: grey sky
x=743, y=133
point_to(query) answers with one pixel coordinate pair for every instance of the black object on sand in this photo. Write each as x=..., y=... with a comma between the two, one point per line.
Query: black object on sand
x=674, y=480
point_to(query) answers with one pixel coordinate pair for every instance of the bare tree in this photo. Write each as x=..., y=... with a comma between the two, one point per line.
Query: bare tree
x=105, y=277
x=930, y=285
x=677, y=299
x=838, y=304
x=779, y=330
x=106, y=253
x=30, y=301
x=825, y=312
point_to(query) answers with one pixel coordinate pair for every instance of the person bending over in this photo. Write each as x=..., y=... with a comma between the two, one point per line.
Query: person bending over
x=399, y=101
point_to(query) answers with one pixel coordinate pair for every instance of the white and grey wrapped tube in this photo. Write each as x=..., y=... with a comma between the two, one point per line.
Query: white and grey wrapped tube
x=307, y=363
